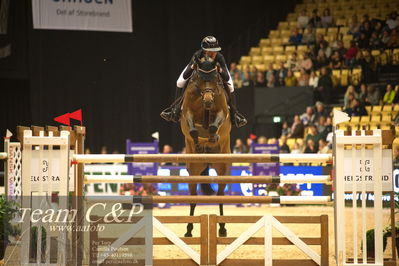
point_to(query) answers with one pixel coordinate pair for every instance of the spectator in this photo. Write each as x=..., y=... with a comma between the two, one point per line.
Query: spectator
x=375, y=41
x=389, y=95
x=290, y=80
x=321, y=124
x=315, y=20
x=309, y=37
x=386, y=37
x=327, y=20
x=313, y=134
x=362, y=96
x=393, y=40
x=104, y=150
x=292, y=62
x=262, y=140
x=283, y=145
x=354, y=26
x=324, y=86
x=373, y=95
x=363, y=42
x=308, y=117
x=320, y=111
x=356, y=108
x=167, y=149
x=303, y=20
x=296, y=37
x=306, y=63
x=366, y=29
x=310, y=146
x=328, y=127
x=297, y=148
x=321, y=60
x=237, y=80
x=281, y=73
x=350, y=55
x=250, y=141
x=313, y=79
x=396, y=99
x=320, y=39
x=254, y=71
x=271, y=82
x=392, y=22
x=260, y=79
x=334, y=42
x=367, y=63
x=270, y=76
x=297, y=128
x=239, y=147
x=233, y=70
x=323, y=147
x=286, y=130
x=341, y=49
x=87, y=151
x=335, y=60
x=303, y=79
x=325, y=48
x=347, y=100
x=247, y=81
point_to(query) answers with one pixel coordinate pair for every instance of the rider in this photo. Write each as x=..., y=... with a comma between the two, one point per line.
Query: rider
x=210, y=48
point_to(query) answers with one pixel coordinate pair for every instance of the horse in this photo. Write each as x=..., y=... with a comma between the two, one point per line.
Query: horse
x=205, y=124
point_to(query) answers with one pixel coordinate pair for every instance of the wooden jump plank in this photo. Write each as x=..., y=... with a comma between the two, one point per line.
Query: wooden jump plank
x=203, y=158
x=173, y=262
x=276, y=241
x=156, y=240
x=281, y=219
x=260, y=262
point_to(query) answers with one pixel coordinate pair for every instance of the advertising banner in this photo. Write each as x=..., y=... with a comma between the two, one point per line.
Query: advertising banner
x=93, y=15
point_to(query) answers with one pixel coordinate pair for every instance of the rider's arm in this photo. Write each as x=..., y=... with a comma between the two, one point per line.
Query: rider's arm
x=224, y=71
x=189, y=69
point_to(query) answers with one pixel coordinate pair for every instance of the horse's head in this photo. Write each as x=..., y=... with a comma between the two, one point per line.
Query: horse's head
x=208, y=81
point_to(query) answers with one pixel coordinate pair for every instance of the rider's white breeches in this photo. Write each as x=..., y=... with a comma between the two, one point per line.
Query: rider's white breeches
x=181, y=82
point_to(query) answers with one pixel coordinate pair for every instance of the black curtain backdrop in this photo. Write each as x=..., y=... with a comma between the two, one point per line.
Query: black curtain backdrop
x=121, y=80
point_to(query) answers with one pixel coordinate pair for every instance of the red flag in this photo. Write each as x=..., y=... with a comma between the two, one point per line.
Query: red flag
x=63, y=119
x=77, y=115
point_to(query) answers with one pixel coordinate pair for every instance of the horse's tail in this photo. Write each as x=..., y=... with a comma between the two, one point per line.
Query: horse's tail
x=206, y=188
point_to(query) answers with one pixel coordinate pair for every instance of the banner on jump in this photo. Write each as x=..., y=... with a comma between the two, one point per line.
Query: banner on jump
x=364, y=169
x=43, y=173
x=93, y=15
x=142, y=148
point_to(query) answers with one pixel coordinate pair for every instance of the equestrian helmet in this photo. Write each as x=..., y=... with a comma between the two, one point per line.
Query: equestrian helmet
x=210, y=43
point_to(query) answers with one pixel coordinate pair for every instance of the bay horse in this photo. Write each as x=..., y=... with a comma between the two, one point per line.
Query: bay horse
x=205, y=123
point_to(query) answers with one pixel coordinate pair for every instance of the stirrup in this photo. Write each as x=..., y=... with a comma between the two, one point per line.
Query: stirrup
x=239, y=120
x=167, y=114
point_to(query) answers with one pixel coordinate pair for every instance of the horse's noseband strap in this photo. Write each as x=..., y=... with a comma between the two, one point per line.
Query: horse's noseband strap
x=207, y=71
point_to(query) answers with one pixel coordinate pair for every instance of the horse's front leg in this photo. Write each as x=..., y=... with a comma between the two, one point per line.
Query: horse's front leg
x=213, y=128
x=193, y=132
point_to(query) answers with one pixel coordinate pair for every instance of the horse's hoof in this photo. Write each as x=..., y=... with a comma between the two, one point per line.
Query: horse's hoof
x=199, y=149
x=212, y=129
x=222, y=232
x=188, y=234
x=194, y=133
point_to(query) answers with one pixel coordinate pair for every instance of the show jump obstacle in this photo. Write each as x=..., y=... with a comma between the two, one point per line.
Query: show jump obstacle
x=355, y=153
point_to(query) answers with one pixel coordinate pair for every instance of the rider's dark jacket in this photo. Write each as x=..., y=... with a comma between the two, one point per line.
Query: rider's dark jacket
x=200, y=54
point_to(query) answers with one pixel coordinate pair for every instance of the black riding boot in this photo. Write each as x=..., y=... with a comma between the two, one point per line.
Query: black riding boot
x=172, y=113
x=236, y=118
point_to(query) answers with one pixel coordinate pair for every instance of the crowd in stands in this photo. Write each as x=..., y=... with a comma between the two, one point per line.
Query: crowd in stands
x=306, y=69
x=311, y=130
